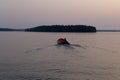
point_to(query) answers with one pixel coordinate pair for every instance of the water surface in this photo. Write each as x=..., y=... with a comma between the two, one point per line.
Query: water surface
x=35, y=56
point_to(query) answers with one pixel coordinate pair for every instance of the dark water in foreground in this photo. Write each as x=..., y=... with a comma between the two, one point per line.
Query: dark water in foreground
x=35, y=56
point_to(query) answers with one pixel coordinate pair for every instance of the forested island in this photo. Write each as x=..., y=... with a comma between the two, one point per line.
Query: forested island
x=62, y=28
x=56, y=28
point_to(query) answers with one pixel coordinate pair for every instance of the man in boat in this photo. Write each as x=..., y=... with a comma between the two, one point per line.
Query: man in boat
x=62, y=41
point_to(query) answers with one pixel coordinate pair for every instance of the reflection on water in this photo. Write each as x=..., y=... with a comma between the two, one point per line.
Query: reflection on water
x=35, y=56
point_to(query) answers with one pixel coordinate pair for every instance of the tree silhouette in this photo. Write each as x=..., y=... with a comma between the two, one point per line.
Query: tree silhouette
x=62, y=28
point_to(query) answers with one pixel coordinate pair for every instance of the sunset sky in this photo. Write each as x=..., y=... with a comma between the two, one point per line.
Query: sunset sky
x=103, y=14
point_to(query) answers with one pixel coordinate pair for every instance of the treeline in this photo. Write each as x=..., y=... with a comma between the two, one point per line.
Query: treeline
x=62, y=28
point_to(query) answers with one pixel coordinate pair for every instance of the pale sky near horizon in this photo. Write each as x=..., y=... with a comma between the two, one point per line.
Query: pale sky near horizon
x=103, y=14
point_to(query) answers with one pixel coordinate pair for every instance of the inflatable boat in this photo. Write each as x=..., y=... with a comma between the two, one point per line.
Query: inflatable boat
x=62, y=41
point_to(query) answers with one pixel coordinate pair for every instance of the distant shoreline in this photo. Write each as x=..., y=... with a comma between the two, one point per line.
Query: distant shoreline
x=10, y=29
x=108, y=30
x=83, y=30
x=23, y=30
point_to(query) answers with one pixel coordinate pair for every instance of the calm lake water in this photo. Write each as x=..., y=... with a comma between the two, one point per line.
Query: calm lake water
x=35, y=56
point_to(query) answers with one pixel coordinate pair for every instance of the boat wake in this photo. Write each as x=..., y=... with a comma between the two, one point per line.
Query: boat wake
x=65, y=46
x=68, y=47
